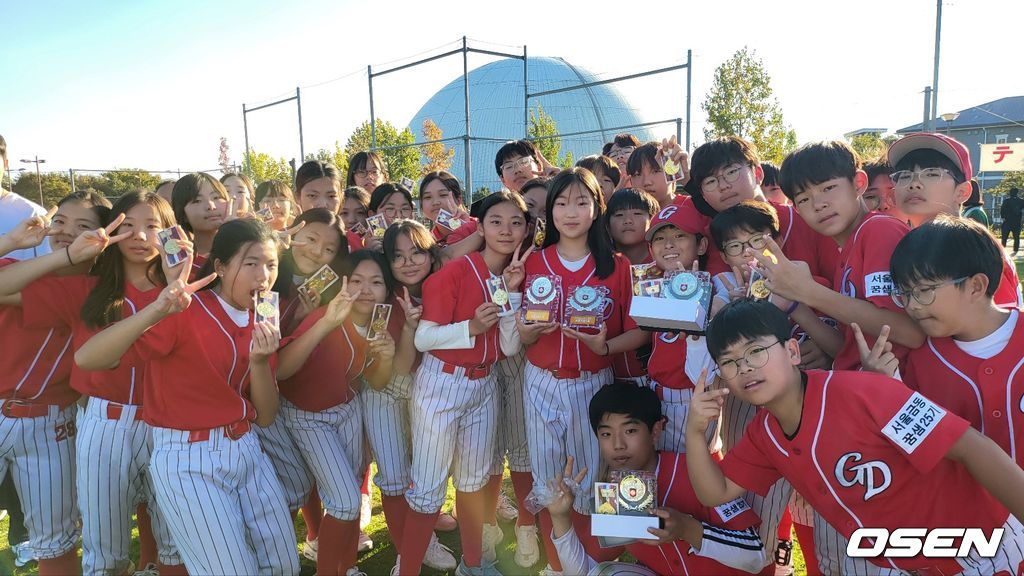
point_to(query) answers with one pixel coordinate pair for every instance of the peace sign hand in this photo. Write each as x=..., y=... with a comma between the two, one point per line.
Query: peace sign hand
x=785, y=277
x=284, y=238
x=563, y=494
x=90, y=244
x=31, y=232
x=880, y=357
x=340, y=306
x=705, y=405
x=515, y=272
x=546, y=168
x=176, y=296
x=413, y=313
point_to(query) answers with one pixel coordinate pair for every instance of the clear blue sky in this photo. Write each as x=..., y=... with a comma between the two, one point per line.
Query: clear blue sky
x=155, y=84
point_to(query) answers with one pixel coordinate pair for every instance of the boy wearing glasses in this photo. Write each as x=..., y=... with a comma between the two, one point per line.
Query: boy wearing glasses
x=947, y=272
x=932, y=176
x=519, y=161
x=864, y=450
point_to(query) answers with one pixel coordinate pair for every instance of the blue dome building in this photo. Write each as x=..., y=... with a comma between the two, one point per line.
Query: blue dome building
x=496, y=111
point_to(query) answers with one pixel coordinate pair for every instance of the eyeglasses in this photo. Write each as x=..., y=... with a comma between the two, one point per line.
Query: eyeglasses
x=924, y=295
x=755, y=357
x=756, y=242
x=523, y=162
x=729, y=175
x=620, y=153
x=417, y=258
x=392, y=213
x=904, y=178
x=368, y=173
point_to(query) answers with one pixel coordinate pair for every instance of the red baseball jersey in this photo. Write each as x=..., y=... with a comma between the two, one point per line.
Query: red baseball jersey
x=987, y=393
x=668, y=360
x=676, y=492
x=198, y=260
x=198, y=368
x=557, y=351
x=331, y=374
x=468, y=228
x=56, y=302
x=36, y=362
x=355, y=241
x=452, y=295
x=863, y=274
x=1008, y=294
x=628, y=363
x=869, y=452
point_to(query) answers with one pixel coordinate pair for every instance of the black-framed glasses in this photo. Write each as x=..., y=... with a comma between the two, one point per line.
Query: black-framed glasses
x=755, y=242
x=727, y=176
x=392, y=213
x=416, y=258
x=924, y=295
x=620, y=153
x=368, y=173
x=904, y=178
x=755, y=357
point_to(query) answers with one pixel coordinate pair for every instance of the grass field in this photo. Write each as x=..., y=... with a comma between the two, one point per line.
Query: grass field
x=379, y=560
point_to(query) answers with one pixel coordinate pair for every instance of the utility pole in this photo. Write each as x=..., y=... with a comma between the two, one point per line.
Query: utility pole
x=39, y=179
x=935, y=72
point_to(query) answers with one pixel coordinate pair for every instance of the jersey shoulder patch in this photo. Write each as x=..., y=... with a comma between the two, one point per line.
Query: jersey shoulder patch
x=913, y=422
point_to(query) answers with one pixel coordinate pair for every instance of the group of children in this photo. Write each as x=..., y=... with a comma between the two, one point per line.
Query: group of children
x=147, y=377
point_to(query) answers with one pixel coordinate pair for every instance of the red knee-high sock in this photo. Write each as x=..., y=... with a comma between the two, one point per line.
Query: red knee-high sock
x=415, y=539
x=339, y=541
x=522, y=483
x=312, y=514
x=365, y=491
x=545, y=537
x=805, y=536
x=581, y=524
x=491, y=492
x=172, y=569
x=786, y=526
x=147, y=543
x=65, y=565
x=395, y=510
x=472, y=507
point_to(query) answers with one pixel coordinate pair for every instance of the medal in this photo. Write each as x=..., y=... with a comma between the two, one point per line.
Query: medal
x=683, y=286
x=266, y=309
x=584, y=298
x=633, y=493
x=541, y=291
x=500, y=297
x=759, y=289
x=171, y=246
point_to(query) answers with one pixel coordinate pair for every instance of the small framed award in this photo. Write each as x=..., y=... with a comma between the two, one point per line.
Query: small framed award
x=757, y=288
x=584, y=307
x=539, y=230
x=542, y=297
x=622, y=506
x=379, y=321
x=173, y=252
x=267, y=308
x=499, y=294
x=377, y=224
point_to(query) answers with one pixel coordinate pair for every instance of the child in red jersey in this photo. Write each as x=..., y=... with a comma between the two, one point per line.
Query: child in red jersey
x=565, y=366
x=825, y=182
x=932, y=176
x=438, y=190
x=694, y=539
x=210, y=377
x=864, y=450
x=201, y=204
x=326, y=421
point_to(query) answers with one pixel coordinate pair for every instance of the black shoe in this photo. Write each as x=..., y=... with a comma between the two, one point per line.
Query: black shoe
x=784, y=553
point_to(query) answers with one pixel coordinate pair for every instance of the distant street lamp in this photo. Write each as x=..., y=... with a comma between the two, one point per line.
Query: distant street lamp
x=39, y=179
x=949, y=117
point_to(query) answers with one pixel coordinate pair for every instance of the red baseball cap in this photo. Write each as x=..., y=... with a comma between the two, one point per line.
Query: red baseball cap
x=949, y=147
x=684, y=217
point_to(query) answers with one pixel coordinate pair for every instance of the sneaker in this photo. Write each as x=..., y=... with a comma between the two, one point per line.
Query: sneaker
x=365, y=512
x=310, y=549
x=149, y=570
x=527, y=546
x=438, y=556
x=493, y=535
x=485, y=569
x=365, y=543
x=22, y=554
x=549, y=571
x=3, y=514
x=784, y=553
x=506, y=509
x=354, y=571
x=394, y=569
x=446, y=522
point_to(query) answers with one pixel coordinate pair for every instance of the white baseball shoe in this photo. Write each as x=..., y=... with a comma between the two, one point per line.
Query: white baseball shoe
x=149, y=570
x=549, y=571
x=22, y=555
x=438, y=556
x=365, y=543
x=527, y=546
x=394, y=569
x=310, y=549
x=507, y=510
x=354, y=571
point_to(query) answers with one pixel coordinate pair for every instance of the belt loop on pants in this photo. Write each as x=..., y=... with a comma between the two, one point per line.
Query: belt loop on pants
x=231, y=431
x=115, y=410
x=22, y=409
x=472, y=372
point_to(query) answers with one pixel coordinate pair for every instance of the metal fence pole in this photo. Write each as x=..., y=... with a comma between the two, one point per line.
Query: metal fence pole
x=468, y=149
x=245, y=128
x=298, y=104
x=689, y=98
x=373, y=121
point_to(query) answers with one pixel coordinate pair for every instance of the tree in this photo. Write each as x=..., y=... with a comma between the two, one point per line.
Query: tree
x=871, y=147
x=544, y=133
x=55, y=186
x=222, y=156
x=438, y=156
x=398, y=162
x=123, y=180
x=741, y=103
x=336, y=157
x=1010, y=180
x=262, y=167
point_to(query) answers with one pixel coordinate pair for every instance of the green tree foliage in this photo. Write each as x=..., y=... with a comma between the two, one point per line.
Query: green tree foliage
x=398, y=162
x=871, y=147
x=437, y=156
x=123, y=180
x=55, y=186
x=741, y=103
x=1010, y=180
x=543, y=131
x=336, y=157
x=261, y=167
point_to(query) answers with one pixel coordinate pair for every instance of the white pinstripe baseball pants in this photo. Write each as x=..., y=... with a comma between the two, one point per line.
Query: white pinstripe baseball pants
x=454, y=423
x=386, y=418
x=331, y=443
x=296, y=478
x=558, y=425
x=112, y=465
x=224, y=504
x=511, y=437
